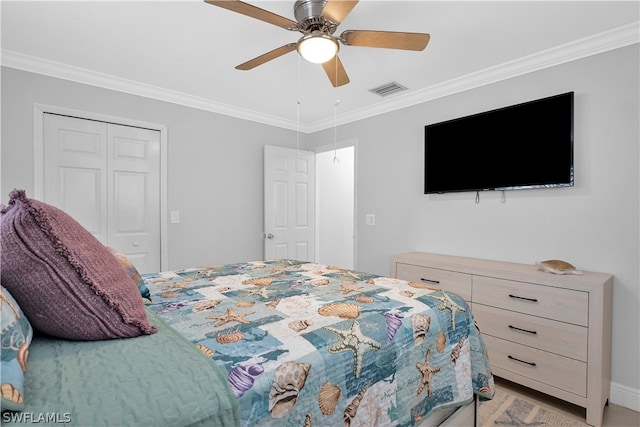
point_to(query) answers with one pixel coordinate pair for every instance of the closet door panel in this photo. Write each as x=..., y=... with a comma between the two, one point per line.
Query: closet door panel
x=75, y=170
x=134, y=188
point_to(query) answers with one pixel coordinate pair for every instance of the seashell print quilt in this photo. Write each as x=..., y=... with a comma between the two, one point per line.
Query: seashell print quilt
x=305, y=344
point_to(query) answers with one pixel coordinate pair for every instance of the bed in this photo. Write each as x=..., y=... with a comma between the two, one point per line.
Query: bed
x=277, y=343
x=310, y=344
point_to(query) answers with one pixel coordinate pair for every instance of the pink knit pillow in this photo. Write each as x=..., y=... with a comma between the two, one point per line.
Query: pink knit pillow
x=67, y=283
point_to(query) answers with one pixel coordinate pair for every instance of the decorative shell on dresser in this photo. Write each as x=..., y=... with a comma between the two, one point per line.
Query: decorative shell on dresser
x=557, y=266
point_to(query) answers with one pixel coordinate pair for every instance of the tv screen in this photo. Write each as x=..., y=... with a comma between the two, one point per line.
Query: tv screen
x=528, y=145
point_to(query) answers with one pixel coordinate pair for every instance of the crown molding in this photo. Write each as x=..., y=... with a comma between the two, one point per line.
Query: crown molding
x=59, y=70
x=598, y=43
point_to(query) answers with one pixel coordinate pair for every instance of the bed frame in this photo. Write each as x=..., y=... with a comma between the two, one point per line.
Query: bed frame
x=464, y=416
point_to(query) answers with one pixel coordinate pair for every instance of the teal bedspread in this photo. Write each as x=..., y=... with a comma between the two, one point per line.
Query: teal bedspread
x=310, y=344
x=151, y=380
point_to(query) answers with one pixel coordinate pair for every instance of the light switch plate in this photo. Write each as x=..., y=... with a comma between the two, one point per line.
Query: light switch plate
x=370, y=219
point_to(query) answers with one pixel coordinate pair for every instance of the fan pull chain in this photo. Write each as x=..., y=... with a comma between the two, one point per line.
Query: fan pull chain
x=335, y=127
x=298, y=126
x=298, y=111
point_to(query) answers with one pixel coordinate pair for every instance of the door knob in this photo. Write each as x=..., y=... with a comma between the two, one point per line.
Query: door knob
x=269, y=236
x=136, y=244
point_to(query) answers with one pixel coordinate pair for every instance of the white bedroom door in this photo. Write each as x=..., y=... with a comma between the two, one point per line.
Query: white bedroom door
x=107, y=177
x=289, y=205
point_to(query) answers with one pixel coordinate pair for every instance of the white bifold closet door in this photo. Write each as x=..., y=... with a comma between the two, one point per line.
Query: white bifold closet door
x=107, y=177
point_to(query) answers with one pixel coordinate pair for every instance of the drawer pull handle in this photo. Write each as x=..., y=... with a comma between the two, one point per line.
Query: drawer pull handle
x=523, y=298
x=437, y=282
x=523, y=330
x=521, y=361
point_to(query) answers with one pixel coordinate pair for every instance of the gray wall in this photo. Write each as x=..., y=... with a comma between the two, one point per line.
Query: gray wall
x=215, y=180
x=215, y=163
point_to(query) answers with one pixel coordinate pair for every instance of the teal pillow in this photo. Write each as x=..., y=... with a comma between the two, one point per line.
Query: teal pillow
x=16, y=338
x=131, y=271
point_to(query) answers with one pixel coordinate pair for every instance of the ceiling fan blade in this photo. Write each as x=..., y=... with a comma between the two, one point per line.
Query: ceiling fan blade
x=336, y=10
x=336, y=72
x=259, y=60
x=385, y=39
x=255, y=12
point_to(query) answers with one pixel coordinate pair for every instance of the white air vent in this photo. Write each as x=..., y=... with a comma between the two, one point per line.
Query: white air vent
x=388, y=89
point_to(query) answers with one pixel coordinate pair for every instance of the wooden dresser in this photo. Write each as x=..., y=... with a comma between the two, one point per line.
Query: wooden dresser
x=545, y=331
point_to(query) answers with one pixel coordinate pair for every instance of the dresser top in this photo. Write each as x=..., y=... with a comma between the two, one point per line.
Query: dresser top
x=505, y=270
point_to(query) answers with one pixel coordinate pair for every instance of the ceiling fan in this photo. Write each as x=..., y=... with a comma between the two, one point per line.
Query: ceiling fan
x=317, y=20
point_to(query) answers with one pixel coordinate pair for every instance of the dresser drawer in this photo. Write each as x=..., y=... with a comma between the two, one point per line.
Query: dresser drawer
x=564, y=305
x=556, y=337
x=458, y=283
x=560, y=372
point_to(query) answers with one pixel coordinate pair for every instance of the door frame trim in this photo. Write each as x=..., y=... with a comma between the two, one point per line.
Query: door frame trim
x=39, y=111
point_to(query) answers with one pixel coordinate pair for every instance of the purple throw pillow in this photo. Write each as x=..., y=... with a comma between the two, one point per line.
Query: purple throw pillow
x=67, y=283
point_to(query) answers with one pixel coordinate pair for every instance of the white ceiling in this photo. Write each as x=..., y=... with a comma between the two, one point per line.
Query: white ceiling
x=185, y=51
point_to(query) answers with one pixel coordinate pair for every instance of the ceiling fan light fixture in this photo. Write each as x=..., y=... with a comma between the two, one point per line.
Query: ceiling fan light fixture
x=318, y=47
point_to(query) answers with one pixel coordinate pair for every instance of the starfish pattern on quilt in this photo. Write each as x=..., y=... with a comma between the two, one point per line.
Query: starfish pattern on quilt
x=231, y=316
x=262, y=291
x=446, y=303
x=352, y=339
x=427, y=372
x=347, y=289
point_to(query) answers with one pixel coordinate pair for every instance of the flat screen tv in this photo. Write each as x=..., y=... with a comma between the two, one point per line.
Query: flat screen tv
x=528, y=145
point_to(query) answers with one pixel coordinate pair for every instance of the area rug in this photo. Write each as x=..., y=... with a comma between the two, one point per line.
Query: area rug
x=507, y=409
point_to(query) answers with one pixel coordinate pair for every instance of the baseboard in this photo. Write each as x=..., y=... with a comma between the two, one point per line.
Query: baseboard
x=625, y=396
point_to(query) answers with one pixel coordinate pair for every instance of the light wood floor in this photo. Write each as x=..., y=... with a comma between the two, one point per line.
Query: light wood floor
x=614, y=415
